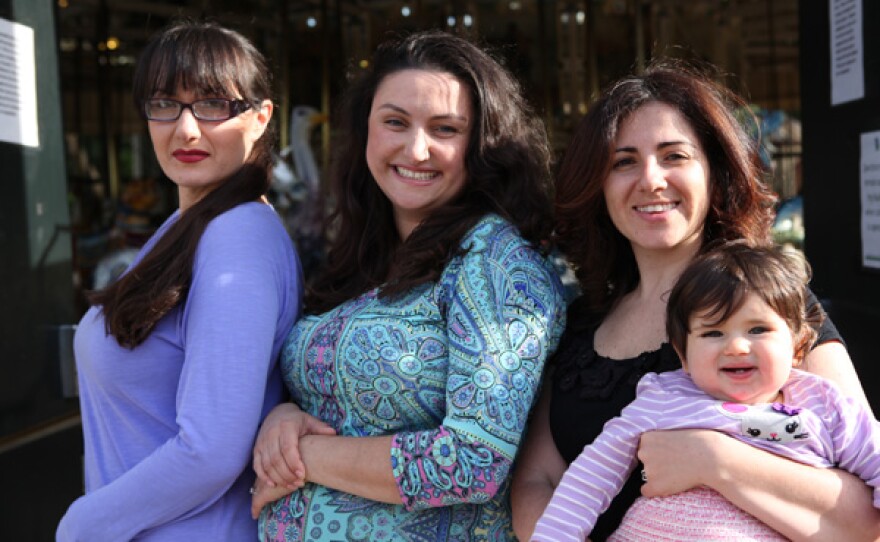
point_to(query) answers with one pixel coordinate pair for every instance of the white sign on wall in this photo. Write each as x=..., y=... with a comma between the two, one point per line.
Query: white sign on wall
x=870, y=188
x=18, y=85
x=847, y=51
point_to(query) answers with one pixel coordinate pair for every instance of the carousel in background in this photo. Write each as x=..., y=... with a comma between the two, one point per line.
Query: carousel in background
x=562, y=51
x=296, y=187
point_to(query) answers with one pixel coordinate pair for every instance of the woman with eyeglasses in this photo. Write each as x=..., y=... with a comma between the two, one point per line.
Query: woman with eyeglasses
x=177, y=360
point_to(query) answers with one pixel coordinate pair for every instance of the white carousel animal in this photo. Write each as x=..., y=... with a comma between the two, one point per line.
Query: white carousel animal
x=296, y=185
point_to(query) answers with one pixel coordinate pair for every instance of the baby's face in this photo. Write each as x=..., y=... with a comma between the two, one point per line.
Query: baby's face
x=744, y=359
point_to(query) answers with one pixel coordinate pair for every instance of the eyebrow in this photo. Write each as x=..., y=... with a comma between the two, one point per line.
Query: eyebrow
x=403, y=111
x=662, y=145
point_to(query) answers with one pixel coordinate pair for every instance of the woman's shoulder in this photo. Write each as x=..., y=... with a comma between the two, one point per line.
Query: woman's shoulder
x=248, y=230
x=494, y=252
x=252, y=222
x=491, y=230
x=495, y=243
x=252, y=212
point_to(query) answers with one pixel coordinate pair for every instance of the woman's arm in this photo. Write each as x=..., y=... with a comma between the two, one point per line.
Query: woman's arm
x=277, y=459
x=831, y=361
x=799, y=501
x=356, y=465
x=539, y=468
x=505, y=313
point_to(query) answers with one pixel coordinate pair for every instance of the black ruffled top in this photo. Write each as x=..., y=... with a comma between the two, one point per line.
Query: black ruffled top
x=588, y=390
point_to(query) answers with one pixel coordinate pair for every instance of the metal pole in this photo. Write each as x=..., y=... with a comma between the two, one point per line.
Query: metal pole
x=640, y=38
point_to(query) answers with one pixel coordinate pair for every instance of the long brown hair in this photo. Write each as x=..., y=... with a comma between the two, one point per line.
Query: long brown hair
x=211, y=61
x=508, y=173
x=740, y=205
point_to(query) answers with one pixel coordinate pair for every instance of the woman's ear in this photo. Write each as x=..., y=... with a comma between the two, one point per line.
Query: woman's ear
x=262, y=118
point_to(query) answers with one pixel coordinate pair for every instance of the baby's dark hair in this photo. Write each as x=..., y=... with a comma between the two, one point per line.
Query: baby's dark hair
x=717, y=282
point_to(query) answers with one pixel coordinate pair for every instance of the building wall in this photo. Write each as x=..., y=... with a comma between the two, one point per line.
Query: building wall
x=831, y=174
x=40, y=447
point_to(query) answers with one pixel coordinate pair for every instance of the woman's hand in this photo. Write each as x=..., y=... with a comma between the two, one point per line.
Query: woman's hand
x=294, y=447
x=675, y=461
x=799, y=501
x=264, y=494
x=277, y=459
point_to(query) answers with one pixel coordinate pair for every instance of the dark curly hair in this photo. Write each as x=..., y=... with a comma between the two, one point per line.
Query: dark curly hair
x=740, y=206
x=507, y=163
x=210, y=61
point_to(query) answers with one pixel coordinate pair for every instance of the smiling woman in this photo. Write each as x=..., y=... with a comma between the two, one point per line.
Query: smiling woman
x=658, y=170
x=657, y=192
x=419, y=129
x=414, y=369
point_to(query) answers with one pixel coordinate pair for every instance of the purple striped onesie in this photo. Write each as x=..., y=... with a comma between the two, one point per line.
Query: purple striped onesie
x=826, y=429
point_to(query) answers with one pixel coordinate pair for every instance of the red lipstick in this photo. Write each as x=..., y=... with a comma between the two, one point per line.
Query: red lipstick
x=190, y=156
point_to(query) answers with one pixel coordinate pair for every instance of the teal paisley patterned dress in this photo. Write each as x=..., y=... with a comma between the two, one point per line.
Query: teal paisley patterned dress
x=449, y=369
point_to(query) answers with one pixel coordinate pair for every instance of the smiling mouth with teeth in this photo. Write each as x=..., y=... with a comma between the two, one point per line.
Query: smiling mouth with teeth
x=656, y=208
x=738, y=370
x=415, y=175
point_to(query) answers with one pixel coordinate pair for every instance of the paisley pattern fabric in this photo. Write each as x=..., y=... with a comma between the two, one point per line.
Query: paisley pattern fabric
x=449, y=369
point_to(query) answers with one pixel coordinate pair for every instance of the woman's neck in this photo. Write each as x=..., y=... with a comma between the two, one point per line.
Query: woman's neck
x=660, y=269
x=637, y=322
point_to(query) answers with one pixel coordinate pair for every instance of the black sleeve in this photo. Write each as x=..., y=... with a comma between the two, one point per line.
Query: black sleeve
x=827, y=331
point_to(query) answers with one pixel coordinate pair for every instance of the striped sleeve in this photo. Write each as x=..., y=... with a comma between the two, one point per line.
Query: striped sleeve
x=599, y=472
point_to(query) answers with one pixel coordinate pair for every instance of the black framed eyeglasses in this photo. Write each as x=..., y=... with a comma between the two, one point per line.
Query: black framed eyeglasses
x=210, y=109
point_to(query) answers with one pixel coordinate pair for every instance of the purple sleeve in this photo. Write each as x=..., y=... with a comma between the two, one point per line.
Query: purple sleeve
x=855, y=434
x=243, y=299
x=596, y=476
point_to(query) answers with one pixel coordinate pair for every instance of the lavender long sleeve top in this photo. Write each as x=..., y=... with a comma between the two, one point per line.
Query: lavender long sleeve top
x=169, y=425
